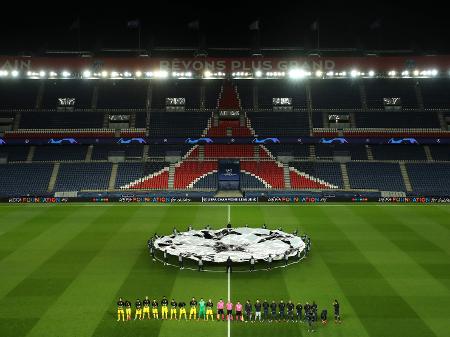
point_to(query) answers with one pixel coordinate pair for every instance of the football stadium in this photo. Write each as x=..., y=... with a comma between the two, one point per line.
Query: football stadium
x=224, y=192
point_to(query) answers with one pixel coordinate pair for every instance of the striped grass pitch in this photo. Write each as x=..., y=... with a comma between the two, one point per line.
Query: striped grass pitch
x=64, y=266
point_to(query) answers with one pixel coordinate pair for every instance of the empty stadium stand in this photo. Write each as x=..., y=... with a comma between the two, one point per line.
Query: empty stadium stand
x=31, y=105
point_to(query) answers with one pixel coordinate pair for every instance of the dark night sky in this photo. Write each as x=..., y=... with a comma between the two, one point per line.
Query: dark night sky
x=423, y=28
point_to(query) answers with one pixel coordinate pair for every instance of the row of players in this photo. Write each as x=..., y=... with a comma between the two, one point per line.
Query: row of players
x=278, y=311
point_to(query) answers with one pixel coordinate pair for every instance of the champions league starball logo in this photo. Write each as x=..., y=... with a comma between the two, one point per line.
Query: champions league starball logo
x=240, y=244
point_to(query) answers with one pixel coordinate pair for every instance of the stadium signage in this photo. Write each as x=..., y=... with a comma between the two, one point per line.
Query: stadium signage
x=201, y=64
x=445, y=139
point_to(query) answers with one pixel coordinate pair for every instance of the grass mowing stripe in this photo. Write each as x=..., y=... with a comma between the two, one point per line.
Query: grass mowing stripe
x=313, y=280
x=28, y=226
x=11, y=217
x=429, y=225
x=423, y=252
x=41, y=288
x=270, y=285
x=145, y=277
x=380, y=308
x=19, y=264
x=417, y=284
x=87, y=298
x=188, y=283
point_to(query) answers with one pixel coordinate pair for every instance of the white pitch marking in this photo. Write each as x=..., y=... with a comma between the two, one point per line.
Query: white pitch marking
x=229, y=280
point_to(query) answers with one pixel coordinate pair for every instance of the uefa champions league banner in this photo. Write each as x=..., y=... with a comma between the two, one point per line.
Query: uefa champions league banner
x=243, y=200
x=198, y=65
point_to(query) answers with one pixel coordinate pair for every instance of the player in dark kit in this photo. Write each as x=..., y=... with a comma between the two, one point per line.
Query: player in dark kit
x=282, y=307
x=248, y=310
x=258, y=310
x=337, y=316
x=265, y=309
x=323, y=316
x=299, y=308
x=273, y=311
x=309, y=318
x=229, y=265
x=290, y=310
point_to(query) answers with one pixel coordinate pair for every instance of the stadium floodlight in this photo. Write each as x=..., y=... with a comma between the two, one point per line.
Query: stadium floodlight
x=138, y=73
x=161, y=74
x=297, y=73
x=354, y=73
x=14, y=73
x=42, y=73
x=371, y=73
x=87, y=73
x=434, y=72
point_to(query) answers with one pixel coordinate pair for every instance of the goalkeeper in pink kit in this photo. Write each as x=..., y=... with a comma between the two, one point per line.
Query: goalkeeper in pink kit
x=220, y=306
x=229, y=310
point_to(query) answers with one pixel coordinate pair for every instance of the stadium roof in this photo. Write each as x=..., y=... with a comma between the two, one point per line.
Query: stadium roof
x=227, y=27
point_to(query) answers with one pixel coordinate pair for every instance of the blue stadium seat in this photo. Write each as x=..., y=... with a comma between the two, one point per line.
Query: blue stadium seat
x=429, y=178
x=83, y=176
x=379, y=176
x=24, y=179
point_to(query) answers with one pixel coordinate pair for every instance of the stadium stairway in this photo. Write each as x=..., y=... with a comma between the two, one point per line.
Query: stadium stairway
x=405, y=176
x=201, y=161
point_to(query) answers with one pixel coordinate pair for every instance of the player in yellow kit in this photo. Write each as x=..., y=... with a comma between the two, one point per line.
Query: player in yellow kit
x=120, y=311
x=182, y=307
x=193, y=311
x=209, y=310
x=138, y=313
x=173, y=309
x=155, y=309
x=146, y=303
x=164, y=308
x=128, y=310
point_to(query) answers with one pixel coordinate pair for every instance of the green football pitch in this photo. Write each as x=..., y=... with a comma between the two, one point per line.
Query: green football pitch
x=63, y=267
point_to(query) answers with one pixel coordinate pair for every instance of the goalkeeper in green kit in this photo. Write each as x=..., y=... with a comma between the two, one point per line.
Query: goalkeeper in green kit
x=202, y=309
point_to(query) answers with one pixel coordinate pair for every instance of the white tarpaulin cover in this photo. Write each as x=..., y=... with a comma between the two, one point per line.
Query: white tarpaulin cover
x=237, y=243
